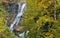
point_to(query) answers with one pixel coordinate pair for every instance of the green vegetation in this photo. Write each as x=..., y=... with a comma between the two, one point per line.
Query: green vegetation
x=7, y=34
x=4, y=30
x=42, y=18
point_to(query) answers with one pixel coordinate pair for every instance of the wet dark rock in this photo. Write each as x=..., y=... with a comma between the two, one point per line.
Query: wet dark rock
x=12, y=9
x=11, y=18
x=19, y=29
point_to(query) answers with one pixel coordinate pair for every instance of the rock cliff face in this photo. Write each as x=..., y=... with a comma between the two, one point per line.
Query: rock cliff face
x=11, y=8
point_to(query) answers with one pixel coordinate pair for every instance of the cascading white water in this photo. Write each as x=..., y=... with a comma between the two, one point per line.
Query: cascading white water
x=18, y=17
x=22, y=34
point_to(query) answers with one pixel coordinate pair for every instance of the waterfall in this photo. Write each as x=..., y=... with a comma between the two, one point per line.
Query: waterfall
x=18, y=17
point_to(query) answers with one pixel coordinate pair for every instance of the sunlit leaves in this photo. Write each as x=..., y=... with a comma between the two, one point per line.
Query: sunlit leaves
x=2, y=18
x=39, y=17
x=44, y=3
x=44, y=19
x=30, y=5
x=1, y=24
x=7, y=34
x=49, y=35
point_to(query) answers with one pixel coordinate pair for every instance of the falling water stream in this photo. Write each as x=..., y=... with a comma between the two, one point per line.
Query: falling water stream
x=18, y=17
